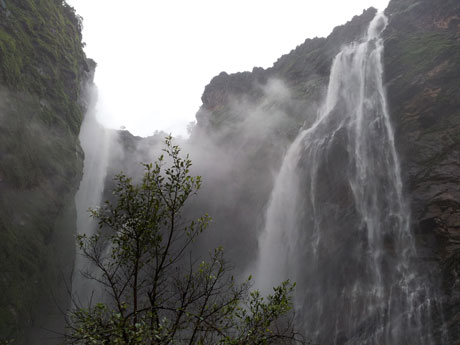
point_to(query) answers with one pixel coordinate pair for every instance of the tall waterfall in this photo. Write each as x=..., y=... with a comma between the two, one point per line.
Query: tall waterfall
x=95, y=141
x=337, y=222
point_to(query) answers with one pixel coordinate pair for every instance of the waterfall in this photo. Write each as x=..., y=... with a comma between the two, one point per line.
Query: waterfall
x=337, y=222
x=95, y=142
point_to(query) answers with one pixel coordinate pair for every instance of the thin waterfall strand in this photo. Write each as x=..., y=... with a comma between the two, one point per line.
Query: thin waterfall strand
x=96, y=142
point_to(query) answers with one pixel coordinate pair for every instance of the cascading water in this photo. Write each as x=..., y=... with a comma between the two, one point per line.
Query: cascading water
x=337, y=222
x=95, y=141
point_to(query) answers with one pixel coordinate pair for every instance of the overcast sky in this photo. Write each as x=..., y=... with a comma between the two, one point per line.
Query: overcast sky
x=155, y=57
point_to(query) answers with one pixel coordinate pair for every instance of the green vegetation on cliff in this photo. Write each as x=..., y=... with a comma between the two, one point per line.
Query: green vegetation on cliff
x=42, y=72
x=41, y=52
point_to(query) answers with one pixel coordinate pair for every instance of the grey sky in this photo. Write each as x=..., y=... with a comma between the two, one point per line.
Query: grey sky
x=155, y=57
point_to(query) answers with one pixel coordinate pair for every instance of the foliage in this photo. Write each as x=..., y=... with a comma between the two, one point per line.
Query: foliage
x=42, y=68
x=41, y=53
x=159, y=293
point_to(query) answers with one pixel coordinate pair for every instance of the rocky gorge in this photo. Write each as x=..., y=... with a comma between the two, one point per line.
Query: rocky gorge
x=244, y=127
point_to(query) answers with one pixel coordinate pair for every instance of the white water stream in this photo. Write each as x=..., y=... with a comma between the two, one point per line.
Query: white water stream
x=337, y=221
x=96, y=141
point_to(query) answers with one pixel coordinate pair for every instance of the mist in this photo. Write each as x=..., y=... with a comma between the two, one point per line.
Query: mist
x=302, y=179
x=237, y=166
x=98, y=145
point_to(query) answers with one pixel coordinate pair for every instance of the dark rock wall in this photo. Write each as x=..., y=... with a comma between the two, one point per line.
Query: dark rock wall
x=43, y=70
x=422, y=73
x=305, y=70
x=422, y=63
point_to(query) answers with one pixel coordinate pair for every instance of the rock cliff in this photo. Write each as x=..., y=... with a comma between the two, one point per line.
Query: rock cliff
x=422, y=60
x=43, y=70
x=422, y=73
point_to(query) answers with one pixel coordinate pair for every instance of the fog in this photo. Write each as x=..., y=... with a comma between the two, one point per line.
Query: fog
x=238, y=162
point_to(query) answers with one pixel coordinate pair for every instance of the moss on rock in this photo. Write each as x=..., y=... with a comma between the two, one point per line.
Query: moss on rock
x=42, y=71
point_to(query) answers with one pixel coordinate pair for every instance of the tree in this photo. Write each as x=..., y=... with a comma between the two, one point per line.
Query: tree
x=157, y=292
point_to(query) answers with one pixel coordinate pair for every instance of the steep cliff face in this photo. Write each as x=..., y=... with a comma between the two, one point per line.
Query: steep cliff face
x=422, y=59
x=305, y=71
x=422, y=72
x=42, y=73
